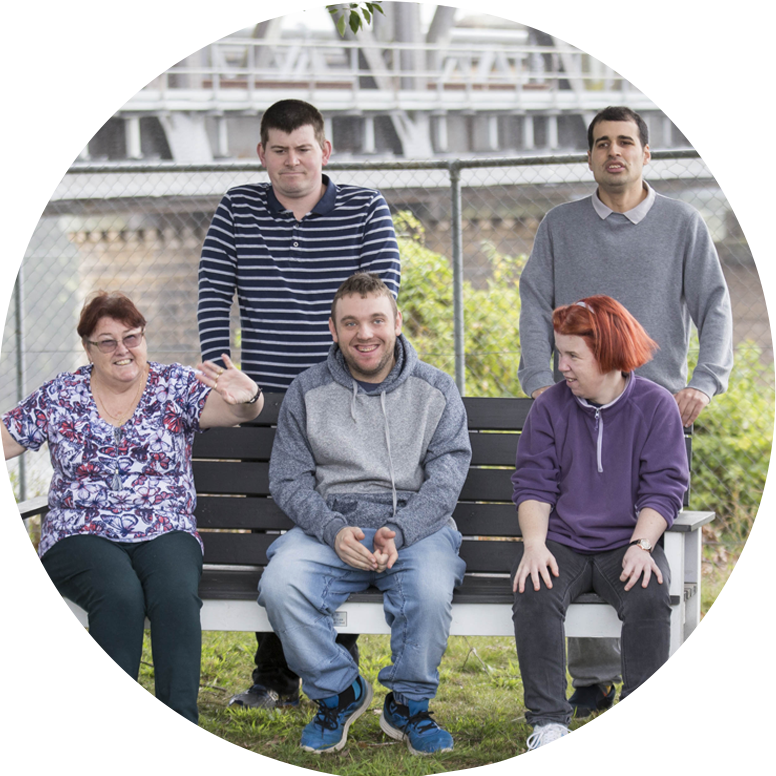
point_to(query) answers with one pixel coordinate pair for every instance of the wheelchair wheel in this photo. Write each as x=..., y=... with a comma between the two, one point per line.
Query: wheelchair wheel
x=715, y=742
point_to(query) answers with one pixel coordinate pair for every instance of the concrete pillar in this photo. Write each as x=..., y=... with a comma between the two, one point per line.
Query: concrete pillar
x=132, y=137
x=27, y=139
x=493, y=133
x=735, y=130
x=528, y=133
x=81, y=138
x=442, y=142
x=223, y=136
x=696, y=131
x=369, y=134
x=668, y=133
x=63, y=138
x=552, y=132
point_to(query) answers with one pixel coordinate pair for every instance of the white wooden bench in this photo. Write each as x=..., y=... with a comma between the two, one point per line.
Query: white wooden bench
x=238, y=521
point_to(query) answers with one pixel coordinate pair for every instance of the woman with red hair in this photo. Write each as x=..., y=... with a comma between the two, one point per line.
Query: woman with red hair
x=601, y=472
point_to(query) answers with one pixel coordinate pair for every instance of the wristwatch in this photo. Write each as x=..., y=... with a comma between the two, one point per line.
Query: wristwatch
x=644, y=544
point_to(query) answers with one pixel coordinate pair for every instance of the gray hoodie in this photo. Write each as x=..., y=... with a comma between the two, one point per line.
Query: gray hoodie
x=397, y=457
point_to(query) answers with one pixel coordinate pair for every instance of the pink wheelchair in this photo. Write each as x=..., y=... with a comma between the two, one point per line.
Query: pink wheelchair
x=749, y=702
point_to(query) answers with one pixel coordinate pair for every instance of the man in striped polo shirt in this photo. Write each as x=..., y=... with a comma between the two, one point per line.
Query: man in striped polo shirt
x=285, y=247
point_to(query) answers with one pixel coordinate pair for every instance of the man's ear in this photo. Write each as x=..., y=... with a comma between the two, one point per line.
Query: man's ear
x=326, y=149
x=333, y=330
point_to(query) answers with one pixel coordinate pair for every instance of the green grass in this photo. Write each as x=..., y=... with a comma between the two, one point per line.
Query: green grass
x=480, y=702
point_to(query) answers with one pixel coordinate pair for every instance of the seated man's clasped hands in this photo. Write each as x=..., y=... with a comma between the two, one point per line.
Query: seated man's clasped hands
x=601, y=472
x=371, y=452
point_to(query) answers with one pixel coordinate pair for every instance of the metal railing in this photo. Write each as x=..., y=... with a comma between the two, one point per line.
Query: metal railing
x=241, y=71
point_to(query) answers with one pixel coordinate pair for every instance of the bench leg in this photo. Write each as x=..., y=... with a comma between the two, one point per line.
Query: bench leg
x=10, y=641
x=692, y=625
x=61, y=663
x=672, y=700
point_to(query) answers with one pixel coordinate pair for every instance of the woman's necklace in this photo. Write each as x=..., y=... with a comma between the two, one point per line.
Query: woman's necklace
x=128, y=411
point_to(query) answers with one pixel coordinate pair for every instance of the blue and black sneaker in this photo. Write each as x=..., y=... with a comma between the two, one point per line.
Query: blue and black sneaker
x=328, y=731
x=413, y=724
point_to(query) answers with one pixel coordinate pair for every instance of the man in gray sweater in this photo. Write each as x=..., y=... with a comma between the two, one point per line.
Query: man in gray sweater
x=371, y=452
x=654, y=255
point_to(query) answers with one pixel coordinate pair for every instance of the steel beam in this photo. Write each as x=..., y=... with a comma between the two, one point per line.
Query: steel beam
x=541, y=24
x=442, y=23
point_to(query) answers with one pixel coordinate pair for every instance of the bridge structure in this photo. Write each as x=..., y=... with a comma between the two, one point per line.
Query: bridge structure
x=399, y=89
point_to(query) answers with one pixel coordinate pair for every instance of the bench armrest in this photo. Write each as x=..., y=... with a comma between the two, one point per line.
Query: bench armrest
x=11, y=545
x=691, y=521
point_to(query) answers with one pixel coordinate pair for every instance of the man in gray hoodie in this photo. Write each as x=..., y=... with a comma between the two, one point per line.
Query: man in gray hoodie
x=371, y=452
x=654, y=255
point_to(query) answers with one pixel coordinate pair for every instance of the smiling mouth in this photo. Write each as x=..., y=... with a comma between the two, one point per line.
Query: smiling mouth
x=123, y=362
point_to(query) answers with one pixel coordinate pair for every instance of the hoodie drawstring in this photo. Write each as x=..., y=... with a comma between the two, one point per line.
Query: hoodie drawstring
x=387, y=438
x=353, y=401
x=390, y=457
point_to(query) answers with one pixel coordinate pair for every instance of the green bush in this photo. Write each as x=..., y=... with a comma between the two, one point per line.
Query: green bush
x=492, y=342
x=732, y=445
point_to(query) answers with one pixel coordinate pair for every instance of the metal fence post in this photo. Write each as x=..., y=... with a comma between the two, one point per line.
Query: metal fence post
x=16, y=201
x=21, y=367
x=457, y=240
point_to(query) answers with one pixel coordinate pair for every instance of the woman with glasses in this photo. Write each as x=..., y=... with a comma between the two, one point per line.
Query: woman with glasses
x=120, y=537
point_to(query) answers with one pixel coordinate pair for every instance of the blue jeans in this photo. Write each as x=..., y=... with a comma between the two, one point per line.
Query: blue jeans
x=305, y=582
x=540, y=637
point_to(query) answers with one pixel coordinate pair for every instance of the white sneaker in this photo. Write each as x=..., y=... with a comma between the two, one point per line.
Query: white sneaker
x=643, y=743
x=548, y=745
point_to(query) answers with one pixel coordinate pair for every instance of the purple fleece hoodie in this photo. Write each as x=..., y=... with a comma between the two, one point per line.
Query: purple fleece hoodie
x=599, y=467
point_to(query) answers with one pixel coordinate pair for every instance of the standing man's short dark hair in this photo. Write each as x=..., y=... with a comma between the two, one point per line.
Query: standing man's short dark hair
x=270, y=245
x=654, y=255
x=618, y=113
x=288, y=115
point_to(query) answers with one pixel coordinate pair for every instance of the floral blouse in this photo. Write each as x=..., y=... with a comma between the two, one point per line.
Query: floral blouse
x=127, y=484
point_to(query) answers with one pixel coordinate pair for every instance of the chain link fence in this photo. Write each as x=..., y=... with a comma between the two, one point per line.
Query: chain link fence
x=139, y=229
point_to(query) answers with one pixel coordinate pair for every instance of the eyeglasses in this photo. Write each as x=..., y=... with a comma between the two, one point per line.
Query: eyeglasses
x=109, y=345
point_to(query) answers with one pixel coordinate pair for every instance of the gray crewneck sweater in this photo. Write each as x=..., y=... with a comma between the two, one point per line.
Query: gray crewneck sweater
x=664, y=270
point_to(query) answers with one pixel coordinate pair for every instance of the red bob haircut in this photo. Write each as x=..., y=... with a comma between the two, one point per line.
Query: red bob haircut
x=108, y=305
x=617, y=339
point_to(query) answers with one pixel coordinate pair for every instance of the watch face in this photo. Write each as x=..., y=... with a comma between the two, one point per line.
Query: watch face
x=645, y=544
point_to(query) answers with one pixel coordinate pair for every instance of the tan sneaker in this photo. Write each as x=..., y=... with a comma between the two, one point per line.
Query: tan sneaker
x=174, y=748
x=117, y=747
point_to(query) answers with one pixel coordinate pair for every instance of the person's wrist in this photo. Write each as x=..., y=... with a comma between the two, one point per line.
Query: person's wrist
x=255, y=396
